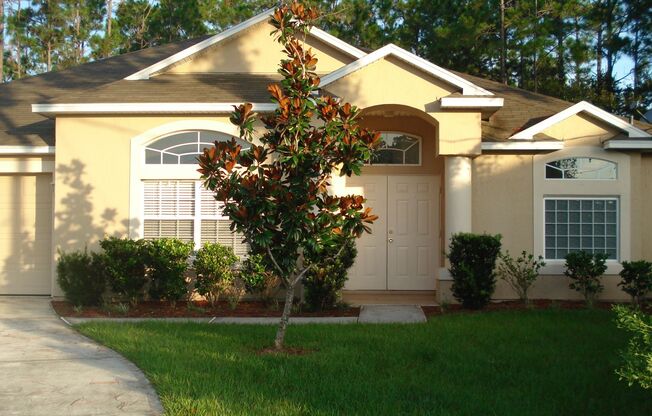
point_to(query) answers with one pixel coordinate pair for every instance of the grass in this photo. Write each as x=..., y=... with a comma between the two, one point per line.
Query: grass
x=543, y=362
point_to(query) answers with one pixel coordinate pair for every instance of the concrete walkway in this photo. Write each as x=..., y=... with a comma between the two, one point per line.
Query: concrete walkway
x=386, y=314
x=48, y=369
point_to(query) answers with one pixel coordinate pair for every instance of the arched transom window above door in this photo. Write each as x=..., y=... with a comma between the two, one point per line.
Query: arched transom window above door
x=398, y=148
x=581, y=168
x=182, y=148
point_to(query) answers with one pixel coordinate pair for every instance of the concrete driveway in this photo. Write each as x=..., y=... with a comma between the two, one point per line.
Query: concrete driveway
x=48, y=369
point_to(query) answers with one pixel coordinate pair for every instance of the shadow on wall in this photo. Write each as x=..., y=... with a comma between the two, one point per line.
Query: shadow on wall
x=77, y=224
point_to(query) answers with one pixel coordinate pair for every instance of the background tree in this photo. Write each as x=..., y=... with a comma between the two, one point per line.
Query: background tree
x=277, y=194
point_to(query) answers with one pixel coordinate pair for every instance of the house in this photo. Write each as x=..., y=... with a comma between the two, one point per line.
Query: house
x=109, y=147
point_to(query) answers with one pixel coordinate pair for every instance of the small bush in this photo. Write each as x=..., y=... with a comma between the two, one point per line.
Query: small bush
x=638, y=355
x=520, y=273
x=234, y=290
x=81, y=276
x=214, y=266
x=585, y=271
x=259, y=280
x=324, y=281
x=473, y=259
x=636, y=279
x=125, y=266
x=167, y=260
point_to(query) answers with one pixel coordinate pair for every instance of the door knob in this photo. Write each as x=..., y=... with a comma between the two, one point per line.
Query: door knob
x=391, y=240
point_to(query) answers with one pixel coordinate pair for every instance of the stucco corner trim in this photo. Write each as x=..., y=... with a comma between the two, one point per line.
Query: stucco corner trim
x=586, y=107
x=467, y=87
x=145, y=108
x=26, y=150
x=524, y=145
x=619, y=144
x=472, y=102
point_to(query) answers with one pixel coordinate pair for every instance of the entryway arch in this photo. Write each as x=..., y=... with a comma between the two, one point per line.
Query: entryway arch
x=403, y=250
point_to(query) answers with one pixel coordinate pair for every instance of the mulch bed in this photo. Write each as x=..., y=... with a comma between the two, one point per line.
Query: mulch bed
x=196, y=309
x=515, y=305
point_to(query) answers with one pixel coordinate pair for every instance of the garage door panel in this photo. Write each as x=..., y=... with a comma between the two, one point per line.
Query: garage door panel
x=25, y=234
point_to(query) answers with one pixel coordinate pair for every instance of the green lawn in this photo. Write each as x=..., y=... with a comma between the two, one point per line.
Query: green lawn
x=550, y=362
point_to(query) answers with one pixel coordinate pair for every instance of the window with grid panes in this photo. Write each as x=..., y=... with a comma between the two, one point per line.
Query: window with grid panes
x=184, y=209
x=587, y=224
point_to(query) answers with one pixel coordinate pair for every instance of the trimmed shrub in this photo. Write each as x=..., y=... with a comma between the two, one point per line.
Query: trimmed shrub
x=520, y=273
x=585, y=271
x=637, y=368
x=473, y=259
x=324, y=281
x=214, y=265
x=636, y=279
x=259, y=280
x=125, y=266
x=234, y=290
x=80, y=275
x=167, y=261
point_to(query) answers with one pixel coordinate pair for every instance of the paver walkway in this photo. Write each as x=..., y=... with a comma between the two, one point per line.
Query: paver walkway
x=48, y=369
x=377, y=314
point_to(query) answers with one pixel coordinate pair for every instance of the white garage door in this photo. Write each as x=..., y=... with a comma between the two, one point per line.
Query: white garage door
x=401, y=253
x=25, y=234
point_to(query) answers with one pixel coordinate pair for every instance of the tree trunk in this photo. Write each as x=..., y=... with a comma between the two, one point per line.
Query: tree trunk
x=287, y=309
x=2, y=39
x=503, y=48
x=107, y=36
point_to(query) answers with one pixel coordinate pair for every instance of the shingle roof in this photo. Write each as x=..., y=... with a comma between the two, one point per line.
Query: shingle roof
x=102, y=82
x=20, y=127
x=180, y=88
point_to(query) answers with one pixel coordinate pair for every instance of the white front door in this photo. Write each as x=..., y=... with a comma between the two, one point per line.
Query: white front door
x=401, y=252
x=411, y=232
x=369, y=272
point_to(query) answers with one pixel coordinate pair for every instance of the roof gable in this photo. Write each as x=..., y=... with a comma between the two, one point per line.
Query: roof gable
x=392, y=50
x=586, y=108
x=236, y=59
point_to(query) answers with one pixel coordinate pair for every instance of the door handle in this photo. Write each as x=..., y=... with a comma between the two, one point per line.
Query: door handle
x=391, y=240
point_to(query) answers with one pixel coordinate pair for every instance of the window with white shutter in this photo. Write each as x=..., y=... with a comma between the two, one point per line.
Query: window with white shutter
x=186, y=210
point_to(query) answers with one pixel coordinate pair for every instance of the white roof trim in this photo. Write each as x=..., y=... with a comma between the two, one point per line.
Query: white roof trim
x=582, y=106
x=160, y=108
x=628, y=144
x=336, y=43
x=318, y=33
x=467, y=87
x=471, y=102
x=26, y=150
x=522, y=145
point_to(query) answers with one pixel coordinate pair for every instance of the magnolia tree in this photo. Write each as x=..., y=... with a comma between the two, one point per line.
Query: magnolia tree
x=277, y=194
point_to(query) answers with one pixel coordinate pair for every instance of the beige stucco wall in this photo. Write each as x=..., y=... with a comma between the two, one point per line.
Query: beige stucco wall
x=25, y=232
x=390, y=81
x=581, y=127
x=255, y=51
x=502, y=199
x=505, y=194
x=645, y=222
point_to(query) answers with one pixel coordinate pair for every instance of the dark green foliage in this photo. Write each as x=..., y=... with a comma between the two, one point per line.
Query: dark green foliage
x=167, y=261
x=637, y=368
x=636, y=279
x=125, y=266
x=80, y=275
x=473, y=259
x=328, y=275
x=256, y=273
x=585, y=271
x=214, y=266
